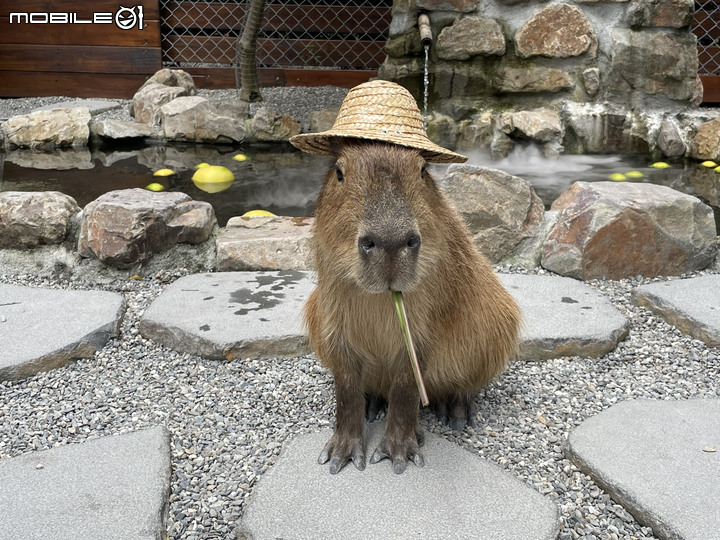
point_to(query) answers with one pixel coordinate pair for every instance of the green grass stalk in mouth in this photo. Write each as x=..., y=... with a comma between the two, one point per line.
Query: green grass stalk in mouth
x=404, y=325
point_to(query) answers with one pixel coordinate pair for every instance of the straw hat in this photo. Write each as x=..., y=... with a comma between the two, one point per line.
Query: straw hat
x=377, y=111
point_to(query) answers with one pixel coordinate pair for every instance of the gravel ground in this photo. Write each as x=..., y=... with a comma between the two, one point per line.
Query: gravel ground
x=229, y=420
x=293, y=100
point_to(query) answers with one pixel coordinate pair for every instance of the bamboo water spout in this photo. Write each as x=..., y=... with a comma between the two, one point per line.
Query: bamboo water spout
x=425, y=30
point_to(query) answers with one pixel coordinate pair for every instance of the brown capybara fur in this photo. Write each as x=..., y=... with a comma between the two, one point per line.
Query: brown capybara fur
x=382, y=224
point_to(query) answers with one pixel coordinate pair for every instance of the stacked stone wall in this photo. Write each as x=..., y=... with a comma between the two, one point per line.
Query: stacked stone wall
x=628, y=57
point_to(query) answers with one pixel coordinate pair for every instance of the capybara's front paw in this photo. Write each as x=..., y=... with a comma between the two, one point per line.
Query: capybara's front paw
x=400, y=450
x=341, y=449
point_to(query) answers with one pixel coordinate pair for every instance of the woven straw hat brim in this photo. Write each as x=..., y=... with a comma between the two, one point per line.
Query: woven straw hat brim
x=326, y=143
x=377, y=111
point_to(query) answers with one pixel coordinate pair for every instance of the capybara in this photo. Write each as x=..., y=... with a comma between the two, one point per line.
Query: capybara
x=381, y=225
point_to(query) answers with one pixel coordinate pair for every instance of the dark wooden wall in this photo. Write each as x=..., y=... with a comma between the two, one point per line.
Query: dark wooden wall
x=80, y=60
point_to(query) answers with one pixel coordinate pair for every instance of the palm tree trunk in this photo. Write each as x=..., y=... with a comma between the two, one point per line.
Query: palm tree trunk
x=247, y=51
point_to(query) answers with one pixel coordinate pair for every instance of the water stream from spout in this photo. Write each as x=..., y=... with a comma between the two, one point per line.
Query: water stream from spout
x=426, y=83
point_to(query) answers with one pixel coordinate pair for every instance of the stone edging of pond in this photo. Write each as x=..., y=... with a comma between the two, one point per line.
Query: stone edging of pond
x=593, y=231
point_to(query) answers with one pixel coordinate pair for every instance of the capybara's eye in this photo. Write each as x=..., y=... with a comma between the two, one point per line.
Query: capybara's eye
x=423, y=169
x=339, y=174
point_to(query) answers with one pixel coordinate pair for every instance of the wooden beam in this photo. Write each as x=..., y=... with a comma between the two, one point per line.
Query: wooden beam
x=80, y=59
x=36, y=84
x=225, y=77
x=81, y=34
x=711, y=88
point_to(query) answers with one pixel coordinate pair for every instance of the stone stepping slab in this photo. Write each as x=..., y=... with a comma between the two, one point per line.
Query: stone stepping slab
x=456, y=494
x=108, y=488
x=692, y=305
x=259, y=314
x=230, y=315
x=95, y=106
x=660, y=460
x=42, y=329
x=564, y=317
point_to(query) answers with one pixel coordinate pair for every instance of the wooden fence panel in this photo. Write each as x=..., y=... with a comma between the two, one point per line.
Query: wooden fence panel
x=81, y=58
x=274, y=52
x=279, y=18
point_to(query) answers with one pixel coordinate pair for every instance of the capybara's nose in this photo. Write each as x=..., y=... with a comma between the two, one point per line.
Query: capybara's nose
x=372, y=245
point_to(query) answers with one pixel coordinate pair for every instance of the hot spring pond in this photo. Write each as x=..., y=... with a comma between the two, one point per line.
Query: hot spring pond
x=285, y=181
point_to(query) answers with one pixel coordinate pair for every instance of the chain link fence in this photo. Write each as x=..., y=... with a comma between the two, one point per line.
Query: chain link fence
x=320, y=34
x=706, y=27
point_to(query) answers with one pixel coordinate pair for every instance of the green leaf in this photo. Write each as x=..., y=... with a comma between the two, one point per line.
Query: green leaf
x=405, y=327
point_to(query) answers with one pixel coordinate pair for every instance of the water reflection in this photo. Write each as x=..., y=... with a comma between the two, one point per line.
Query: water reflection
x=551, y=177
x=276, y=177
x=285, y=181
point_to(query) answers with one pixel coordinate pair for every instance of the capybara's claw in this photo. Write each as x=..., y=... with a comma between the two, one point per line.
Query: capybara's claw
x=399, y=453
x=340, y=453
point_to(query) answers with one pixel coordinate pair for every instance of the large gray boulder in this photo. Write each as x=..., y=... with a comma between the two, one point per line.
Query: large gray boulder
x=265, y=243
x=111, y=128
x=30, y=219
x=539, y=125
x=194, y=118
x=670, y=140
x=49, y=128
x=268, y=125
x=173, y=77
x=147, y=101
x=618, y=230
x=500, y=210
x=125, y=227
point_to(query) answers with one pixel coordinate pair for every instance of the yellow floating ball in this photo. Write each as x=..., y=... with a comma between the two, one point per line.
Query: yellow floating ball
x=155, y=187
x=213, y=178
x=201, y=165
x=240, y=157
x=258, y=213
x=709, y=164
x=164, y=172
x=660, y=165
x=717, y=169
x=617, y=177
x=634, y=174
